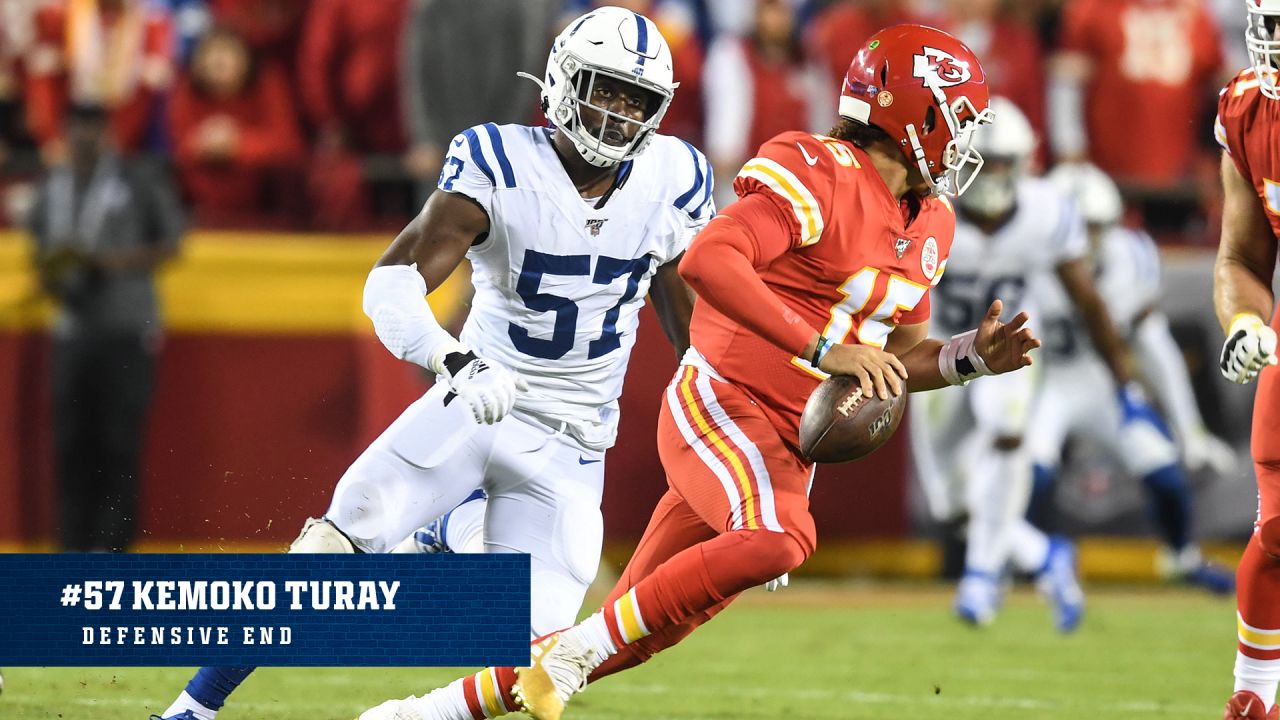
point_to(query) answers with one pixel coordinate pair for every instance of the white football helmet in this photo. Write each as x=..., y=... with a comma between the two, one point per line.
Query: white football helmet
x=1006, y=147
x=1095, y=193
x=1260, y=40
x=616, y=43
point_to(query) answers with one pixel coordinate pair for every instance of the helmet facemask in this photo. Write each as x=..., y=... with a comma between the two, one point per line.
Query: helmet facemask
x=594, y=145
x=960, y=160
x=1263, y=47
x=993, y=194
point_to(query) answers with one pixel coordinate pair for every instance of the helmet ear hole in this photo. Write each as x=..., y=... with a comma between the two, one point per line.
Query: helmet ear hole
x=930, y=121
x=884, y=73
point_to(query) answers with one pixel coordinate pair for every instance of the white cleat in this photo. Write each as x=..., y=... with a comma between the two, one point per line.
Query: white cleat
x=977, y=598
x=560, y=668
x=393, y=710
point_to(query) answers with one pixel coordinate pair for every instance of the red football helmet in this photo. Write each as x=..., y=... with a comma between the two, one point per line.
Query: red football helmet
x=928, y=91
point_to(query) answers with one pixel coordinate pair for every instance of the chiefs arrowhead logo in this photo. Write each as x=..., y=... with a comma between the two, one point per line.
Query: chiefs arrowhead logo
x=938, y=68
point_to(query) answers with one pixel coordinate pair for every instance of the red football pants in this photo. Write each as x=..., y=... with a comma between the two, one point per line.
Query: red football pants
x=1258, y=576
x=735, y=515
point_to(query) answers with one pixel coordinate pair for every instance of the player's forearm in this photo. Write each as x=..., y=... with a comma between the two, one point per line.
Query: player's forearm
x=1238, y=289
x=1166, y=374
x=1108, y=343
x=720, y=271
x=923, y=371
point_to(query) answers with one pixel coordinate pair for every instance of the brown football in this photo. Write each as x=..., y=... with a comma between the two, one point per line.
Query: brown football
x=839, y=424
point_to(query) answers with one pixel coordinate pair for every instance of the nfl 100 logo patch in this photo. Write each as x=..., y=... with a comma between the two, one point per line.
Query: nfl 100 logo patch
x=595, y=224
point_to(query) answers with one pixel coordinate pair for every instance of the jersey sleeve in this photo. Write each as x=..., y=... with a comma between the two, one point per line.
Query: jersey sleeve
x=1228, y=126
x=694, y=205
x=475, y=164
x=1069, y=241
x=796, y=171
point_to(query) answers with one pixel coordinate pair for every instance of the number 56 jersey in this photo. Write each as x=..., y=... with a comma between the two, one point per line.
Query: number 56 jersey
x=558, y=282
x=854, y=270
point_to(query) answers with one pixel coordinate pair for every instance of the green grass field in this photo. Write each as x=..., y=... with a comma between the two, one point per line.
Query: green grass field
x=845, y=652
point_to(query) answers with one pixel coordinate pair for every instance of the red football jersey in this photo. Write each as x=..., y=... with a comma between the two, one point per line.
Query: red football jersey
x=855, y=270
x=1248, y=128
x=1152, y=59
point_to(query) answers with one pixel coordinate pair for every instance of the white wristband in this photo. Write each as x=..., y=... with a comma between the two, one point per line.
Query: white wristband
x=959, y=361
x=395, y=300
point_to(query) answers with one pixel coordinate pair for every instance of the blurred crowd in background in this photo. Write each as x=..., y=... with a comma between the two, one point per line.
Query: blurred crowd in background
x=331, y=115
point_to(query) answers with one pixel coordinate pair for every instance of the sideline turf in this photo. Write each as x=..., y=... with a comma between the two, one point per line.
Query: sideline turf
x=813, y=651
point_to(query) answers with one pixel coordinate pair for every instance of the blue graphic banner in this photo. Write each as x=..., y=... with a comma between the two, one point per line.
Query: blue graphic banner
x=264, y=610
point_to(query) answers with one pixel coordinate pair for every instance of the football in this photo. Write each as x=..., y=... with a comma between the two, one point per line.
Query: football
x=840, y=424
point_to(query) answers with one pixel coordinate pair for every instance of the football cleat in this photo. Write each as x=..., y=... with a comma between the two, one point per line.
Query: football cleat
x=1245, y=705
x=430, y=537
x=1058, y=584
x=977, y=598
x=184, y=715
x=393, y=710
x=1213, y=577
x=560, y=668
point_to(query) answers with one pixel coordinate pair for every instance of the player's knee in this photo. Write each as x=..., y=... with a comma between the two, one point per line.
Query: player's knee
x=774, y=554
x=1269, y=535
x=320, y=536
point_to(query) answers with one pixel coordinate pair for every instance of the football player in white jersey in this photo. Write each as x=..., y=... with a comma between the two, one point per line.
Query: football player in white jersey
x=1012, y=227
x=1076, y=387
x=567, y=230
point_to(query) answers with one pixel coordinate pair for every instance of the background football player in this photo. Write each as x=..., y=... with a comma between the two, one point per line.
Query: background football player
x=1075, y=392
x=1013, y=230
x=567, y=230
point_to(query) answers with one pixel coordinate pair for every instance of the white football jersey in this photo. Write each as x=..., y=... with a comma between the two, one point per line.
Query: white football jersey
x=1127, y=274
x=1044, y=231
x=558, y=283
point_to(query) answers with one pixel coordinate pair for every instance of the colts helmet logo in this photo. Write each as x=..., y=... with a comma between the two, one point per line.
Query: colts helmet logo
x=938, y=68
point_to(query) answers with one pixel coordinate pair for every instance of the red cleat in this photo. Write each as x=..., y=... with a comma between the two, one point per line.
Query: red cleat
x=1245, y=705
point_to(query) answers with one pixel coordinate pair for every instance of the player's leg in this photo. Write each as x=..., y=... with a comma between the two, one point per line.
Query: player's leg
x=486, y=694
x=1148, y=451
x=727, y=461
x=461, y=530
x=939, y=422
x=1257, y=667
x=998, y=488
x=423, y=465
x=75, y=442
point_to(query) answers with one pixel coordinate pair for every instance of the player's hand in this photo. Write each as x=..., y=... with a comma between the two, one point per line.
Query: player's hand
x=879, y=372
x=1004, y=347
x=488, y=388
x=1135, y=408
x=778, y=583
x=1202, y=449
x=1250, y=346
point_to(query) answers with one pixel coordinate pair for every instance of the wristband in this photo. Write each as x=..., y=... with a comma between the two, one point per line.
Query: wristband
x=820, y=350
x=959, y=361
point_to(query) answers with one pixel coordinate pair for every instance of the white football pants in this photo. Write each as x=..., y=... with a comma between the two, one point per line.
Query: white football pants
x=1078, y=398
x=965, y=441
x=544, y=490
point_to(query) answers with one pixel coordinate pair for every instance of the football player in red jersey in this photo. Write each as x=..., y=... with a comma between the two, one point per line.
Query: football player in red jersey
x=1248, y=128
x=823, y=266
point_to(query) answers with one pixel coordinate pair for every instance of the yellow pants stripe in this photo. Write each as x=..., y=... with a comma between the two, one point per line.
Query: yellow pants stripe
x=627, y=612
x=493, y=706
x=1261, y=639
x=744, y=481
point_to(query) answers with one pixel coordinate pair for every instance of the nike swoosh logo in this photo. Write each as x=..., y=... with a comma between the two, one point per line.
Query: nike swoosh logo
x=807, y=157
x=584, y=461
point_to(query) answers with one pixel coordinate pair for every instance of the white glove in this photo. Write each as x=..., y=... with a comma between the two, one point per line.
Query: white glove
x=1203, y=449
x=778, y=583
x=1250, y=346
x=489, y=389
